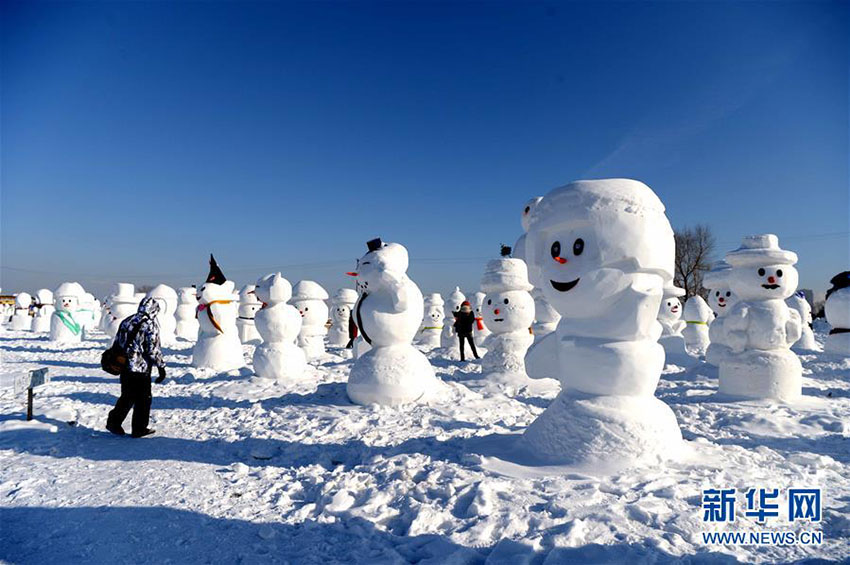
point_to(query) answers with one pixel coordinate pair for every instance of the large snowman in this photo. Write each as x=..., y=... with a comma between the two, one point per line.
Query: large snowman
x=672, y=325
x=721, y=300
x=388, y=313
x=806, y=343
x=123, y=303
x=187, y=313
x=760, y=328
x=508, y=312
x=602, y=251
x=278, y=357
x=341, y=304
x=64, y=326
x=21, y=319
x=44, y=310
x=838, y=315
x=218, y=346
x=309, y=298
x=480, y=331
x=448, y=338
x=167, y=299
x=249, y=305
x=698, y=316
x=432, y=321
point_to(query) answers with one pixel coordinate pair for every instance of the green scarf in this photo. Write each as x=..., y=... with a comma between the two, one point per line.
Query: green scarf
x=68, y=319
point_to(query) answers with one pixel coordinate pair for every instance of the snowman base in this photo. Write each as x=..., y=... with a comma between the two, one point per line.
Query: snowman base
x=775, y=374
x=807, y=344
x=282, y=362
x=429, y=339
x=603, y=432
x=313, y=346
x=337, y=338
x=717, y=353
x=360, y=347
x=248, y=334
x=396, y=374
x=221, y=353
x=675, y=352
x=837, y=344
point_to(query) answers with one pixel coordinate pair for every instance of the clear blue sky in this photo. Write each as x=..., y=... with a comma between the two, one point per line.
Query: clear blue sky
x=138, y=137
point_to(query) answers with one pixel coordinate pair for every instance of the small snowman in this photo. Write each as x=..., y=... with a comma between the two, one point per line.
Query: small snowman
x=389, y=311
x=448, y=338
x=480, y=331
x=21, y=319
x=508, y=312
x=249, y=305
x=721, y=299
x=525, y=218
x=123, y=304
x=186, y=314
x=278, y=357
x=760, y=329
x=218, y=347
x=64, y=327
x=602, y=252
x=309, y=298
x=167, y=299
x=806, y=343
x=698, y=315
x=86, y=312
x=432, y=321
x=837, y=309
x=670, y=318
x=44, y=310
x=341, y=304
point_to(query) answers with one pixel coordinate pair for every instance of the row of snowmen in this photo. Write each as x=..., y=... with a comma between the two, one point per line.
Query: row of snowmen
x=66, y=313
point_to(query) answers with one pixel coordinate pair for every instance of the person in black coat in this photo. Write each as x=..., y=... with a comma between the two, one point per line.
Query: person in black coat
x=464, y=320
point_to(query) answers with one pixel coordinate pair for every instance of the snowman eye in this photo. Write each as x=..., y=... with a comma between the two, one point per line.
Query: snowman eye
x=717, y=293
x=761, y=272
x=527, y=209
x=305, y=308
x=506, y=300
x=779, y=273
x=728, y=294
x=556, y=249
x=489, y=302
x=578, y=246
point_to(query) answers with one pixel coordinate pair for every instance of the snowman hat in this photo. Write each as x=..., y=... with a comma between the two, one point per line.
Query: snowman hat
x=345, y=296
x=69, y=289
x=718, y=276
x=758, y=250
x=44, y=296
x=673, y=290
x=123, y=293
x=434, y=299
x=215, y=275
x=839, y=281
x=308, y=290
x=505, y=274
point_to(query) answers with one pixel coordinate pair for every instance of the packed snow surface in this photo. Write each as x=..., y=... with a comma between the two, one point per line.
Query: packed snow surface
x=250, y=470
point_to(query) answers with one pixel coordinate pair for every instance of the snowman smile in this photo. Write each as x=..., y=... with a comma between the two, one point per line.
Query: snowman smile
x=498, y=319
x=770, y=286
x=564, y=286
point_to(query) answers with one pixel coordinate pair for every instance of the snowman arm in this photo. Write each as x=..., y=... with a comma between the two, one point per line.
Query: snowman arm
x=735, y=328
x=541, y=361
x=397, y=290
x=793, y=327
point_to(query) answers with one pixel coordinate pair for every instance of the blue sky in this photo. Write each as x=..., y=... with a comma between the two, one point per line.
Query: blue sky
x=138, y=137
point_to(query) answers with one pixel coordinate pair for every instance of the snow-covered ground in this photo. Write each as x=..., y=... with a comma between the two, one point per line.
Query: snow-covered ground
x=243, y=470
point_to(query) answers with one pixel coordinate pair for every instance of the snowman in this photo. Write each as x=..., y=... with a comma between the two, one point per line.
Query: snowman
x=218, y=346
x=44, y=310
x=21, y=319
x=508, y=311
x=432, y=321
x=309, y=298
x=760, y=329
x=670, y=318
x=448, y=338
x=525, y=219
x=249, y=305
x=721, y=299
x=186, y=314
x=698, y=315
x=167, y=299
x=278, y=323
x=64, y=326
x=480, y=332
x=123, y=304
x=806, y=343
x=388, y=313
x=602, y=252
x=837, y=309
x=86, y=312
x=341, y=304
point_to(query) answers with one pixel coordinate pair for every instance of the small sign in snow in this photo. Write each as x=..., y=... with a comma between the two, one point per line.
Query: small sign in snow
x=34, y=378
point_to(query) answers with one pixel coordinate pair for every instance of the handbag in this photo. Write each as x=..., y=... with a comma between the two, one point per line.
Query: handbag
x=114, y=360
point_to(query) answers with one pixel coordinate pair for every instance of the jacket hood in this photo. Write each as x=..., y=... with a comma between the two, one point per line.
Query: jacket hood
x=149, y=306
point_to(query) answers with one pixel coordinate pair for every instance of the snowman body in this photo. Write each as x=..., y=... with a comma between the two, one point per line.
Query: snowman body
x=448, y=338
x=166, y=297
x=186, y=315
x=309, y=298
x=672, y=325
x=278, y=356
x=697, y=316
x=21, y=319
x=806, y=343
x=388, y=313
x=432, y=321
x=837, y=311
x=125, y=303
x=340, y=312
x=721, y=300
x=41, y=320
x=218, y=347
x=249, y=305
x=64, y=326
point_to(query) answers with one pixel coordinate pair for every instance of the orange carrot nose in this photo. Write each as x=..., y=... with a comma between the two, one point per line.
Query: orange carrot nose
x=560, y=260
x=496, y=311
x=351, y=274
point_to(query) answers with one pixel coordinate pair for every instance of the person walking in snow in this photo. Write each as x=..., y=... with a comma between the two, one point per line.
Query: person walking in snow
x=138, y=337
x=464, y=320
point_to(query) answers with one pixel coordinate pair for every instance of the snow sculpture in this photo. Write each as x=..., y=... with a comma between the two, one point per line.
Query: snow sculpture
x=760, y=328
x=602, y=251
x=432, y=321
x=309, y=298
x=44, y=310
x=167, y=299
x=64, y=326
x=388, y=314
x=21, y=319
x=249, y=305
x=341, y=304
x=525, y=219
x=672, y=325
x=697, y=316
x=278, y=357
x=448, y=339
x=480, y=331
x=123, y=304
x=806, y=343
x=187, y=313
x=838, y=315
x=218, y=346
x=721, y=299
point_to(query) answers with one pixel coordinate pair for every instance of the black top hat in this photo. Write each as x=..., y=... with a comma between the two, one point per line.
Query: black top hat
x=215, y=276
x=506, y=250
x=839, y=281
x=374, y=244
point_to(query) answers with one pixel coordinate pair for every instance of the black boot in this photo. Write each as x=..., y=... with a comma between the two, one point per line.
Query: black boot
x=143, y=433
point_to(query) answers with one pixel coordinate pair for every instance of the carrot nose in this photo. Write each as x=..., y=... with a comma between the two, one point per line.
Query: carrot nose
x=720, y=299
x=496, y=311
x=351, y=274
x=771, y=280
x=560, y=260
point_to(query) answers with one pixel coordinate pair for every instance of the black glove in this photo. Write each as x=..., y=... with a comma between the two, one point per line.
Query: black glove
x=161, y=376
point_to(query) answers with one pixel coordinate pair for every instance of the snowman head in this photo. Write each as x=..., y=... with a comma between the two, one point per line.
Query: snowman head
x=508, y=305
x=721, y=300
x=187, y=295
x=671, y=309
x=309, y=298
x=382, y=267
x=479, y=303
x=166, y=297
x=453, y=304
x=341, y=313
x=586, y=236
x=273, y=289
x=68, y=296
x=211, y=292
x=528, y=210
x=761, y=270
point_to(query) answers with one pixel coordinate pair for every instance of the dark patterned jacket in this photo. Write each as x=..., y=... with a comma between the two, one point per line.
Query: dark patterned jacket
x=144, y=352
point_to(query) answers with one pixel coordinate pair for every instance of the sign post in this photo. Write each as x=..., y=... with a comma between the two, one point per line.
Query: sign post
x=29, y=381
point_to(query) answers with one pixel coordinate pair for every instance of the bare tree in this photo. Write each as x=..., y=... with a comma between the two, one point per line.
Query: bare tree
x=694, y=248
